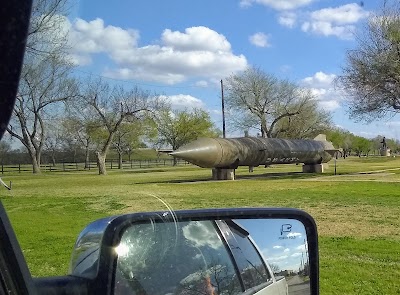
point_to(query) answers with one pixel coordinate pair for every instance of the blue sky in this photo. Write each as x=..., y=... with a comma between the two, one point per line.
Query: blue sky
x=184, y=48
x=285, y=249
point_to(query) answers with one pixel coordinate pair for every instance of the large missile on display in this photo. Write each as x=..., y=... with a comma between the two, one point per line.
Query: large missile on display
x=229, y=153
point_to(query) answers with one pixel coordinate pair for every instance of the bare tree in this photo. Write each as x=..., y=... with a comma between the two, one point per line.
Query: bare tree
x=53, y=141
x=43, y=86
x=259, y=100
x=371, y=74
x=308, y=123
x=275, y=268
x=81, y=128
x=45, y=80
x=114, y=106
x=47, y=32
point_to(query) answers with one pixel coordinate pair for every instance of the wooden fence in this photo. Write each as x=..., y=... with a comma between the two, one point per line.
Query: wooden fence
x=110, y=164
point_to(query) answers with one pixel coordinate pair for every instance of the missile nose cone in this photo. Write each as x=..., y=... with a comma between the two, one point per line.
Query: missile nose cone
x=204, y=152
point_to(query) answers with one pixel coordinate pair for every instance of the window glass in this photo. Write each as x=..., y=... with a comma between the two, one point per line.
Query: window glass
x=249, y=261
x=174, y=258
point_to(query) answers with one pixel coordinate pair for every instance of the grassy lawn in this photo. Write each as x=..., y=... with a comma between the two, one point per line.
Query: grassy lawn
x=358, y=214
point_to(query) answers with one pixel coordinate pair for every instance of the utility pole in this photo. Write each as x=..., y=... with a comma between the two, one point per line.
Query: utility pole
x=223, y=110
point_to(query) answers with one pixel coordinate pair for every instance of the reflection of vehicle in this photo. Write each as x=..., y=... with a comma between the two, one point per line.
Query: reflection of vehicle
x=215, y=256
x=245, y=252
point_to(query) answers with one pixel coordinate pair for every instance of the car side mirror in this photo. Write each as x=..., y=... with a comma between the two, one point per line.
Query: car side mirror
x=212, y=251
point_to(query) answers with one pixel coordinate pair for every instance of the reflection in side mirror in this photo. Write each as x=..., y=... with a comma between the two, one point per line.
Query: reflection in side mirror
x=210, y=252
x=213, y=257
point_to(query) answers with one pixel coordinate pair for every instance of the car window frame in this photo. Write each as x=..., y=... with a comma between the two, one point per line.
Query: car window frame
x=252, y=289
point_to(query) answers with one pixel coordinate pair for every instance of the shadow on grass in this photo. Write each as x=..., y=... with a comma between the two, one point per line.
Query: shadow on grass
x=275, y=175
x=154, y=169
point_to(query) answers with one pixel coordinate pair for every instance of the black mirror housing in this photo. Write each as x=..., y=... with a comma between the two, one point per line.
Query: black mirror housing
x=95, y=255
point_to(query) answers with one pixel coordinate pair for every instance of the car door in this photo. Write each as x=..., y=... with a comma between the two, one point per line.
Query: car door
x=255, y=275
x=15, y=277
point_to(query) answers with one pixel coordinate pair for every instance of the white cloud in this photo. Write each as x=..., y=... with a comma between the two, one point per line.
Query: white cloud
x=301, y=247
x=328, y=29
x=215, y=112
x=345, y=14
x=93, y=36
x=393, y=124
x=294, y=234
x=338, y=21
x=297, y=254
x=287, y=19
x=201, y=234
x=201, y=83
x=320, y=80
x=278, y=258
x=329, y=105
x=183, y=101
x=277, y=4
x=198, y=52
x=196, y=39
x=259, y=39
x=321, y=86
x=277, y=247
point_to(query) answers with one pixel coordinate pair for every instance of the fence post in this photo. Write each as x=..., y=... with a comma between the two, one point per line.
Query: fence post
x=76, y=165
x=2, y=168
x=19, y=168
x=64, y=166
x=131, y=164
x=111, y=164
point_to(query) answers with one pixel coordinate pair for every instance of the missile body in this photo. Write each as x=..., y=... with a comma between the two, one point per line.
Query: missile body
x=253, y=151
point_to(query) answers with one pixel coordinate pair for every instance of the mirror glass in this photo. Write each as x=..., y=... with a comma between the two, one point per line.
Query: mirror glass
x=213, y=257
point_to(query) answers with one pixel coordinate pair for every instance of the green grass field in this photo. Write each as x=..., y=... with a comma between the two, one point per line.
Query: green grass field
x=358, y=214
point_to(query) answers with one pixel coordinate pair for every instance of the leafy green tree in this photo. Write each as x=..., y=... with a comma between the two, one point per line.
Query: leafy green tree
x=361, y=145
x=341, y=139
x=176, y=128
x=131, y=135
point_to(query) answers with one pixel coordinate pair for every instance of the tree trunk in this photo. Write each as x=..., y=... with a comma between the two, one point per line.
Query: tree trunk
x=35, y=167
x=87, y=158
x=53, y=159
x=263, y=127
x=120, y=160
x=35, y=161
x=101, y=163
